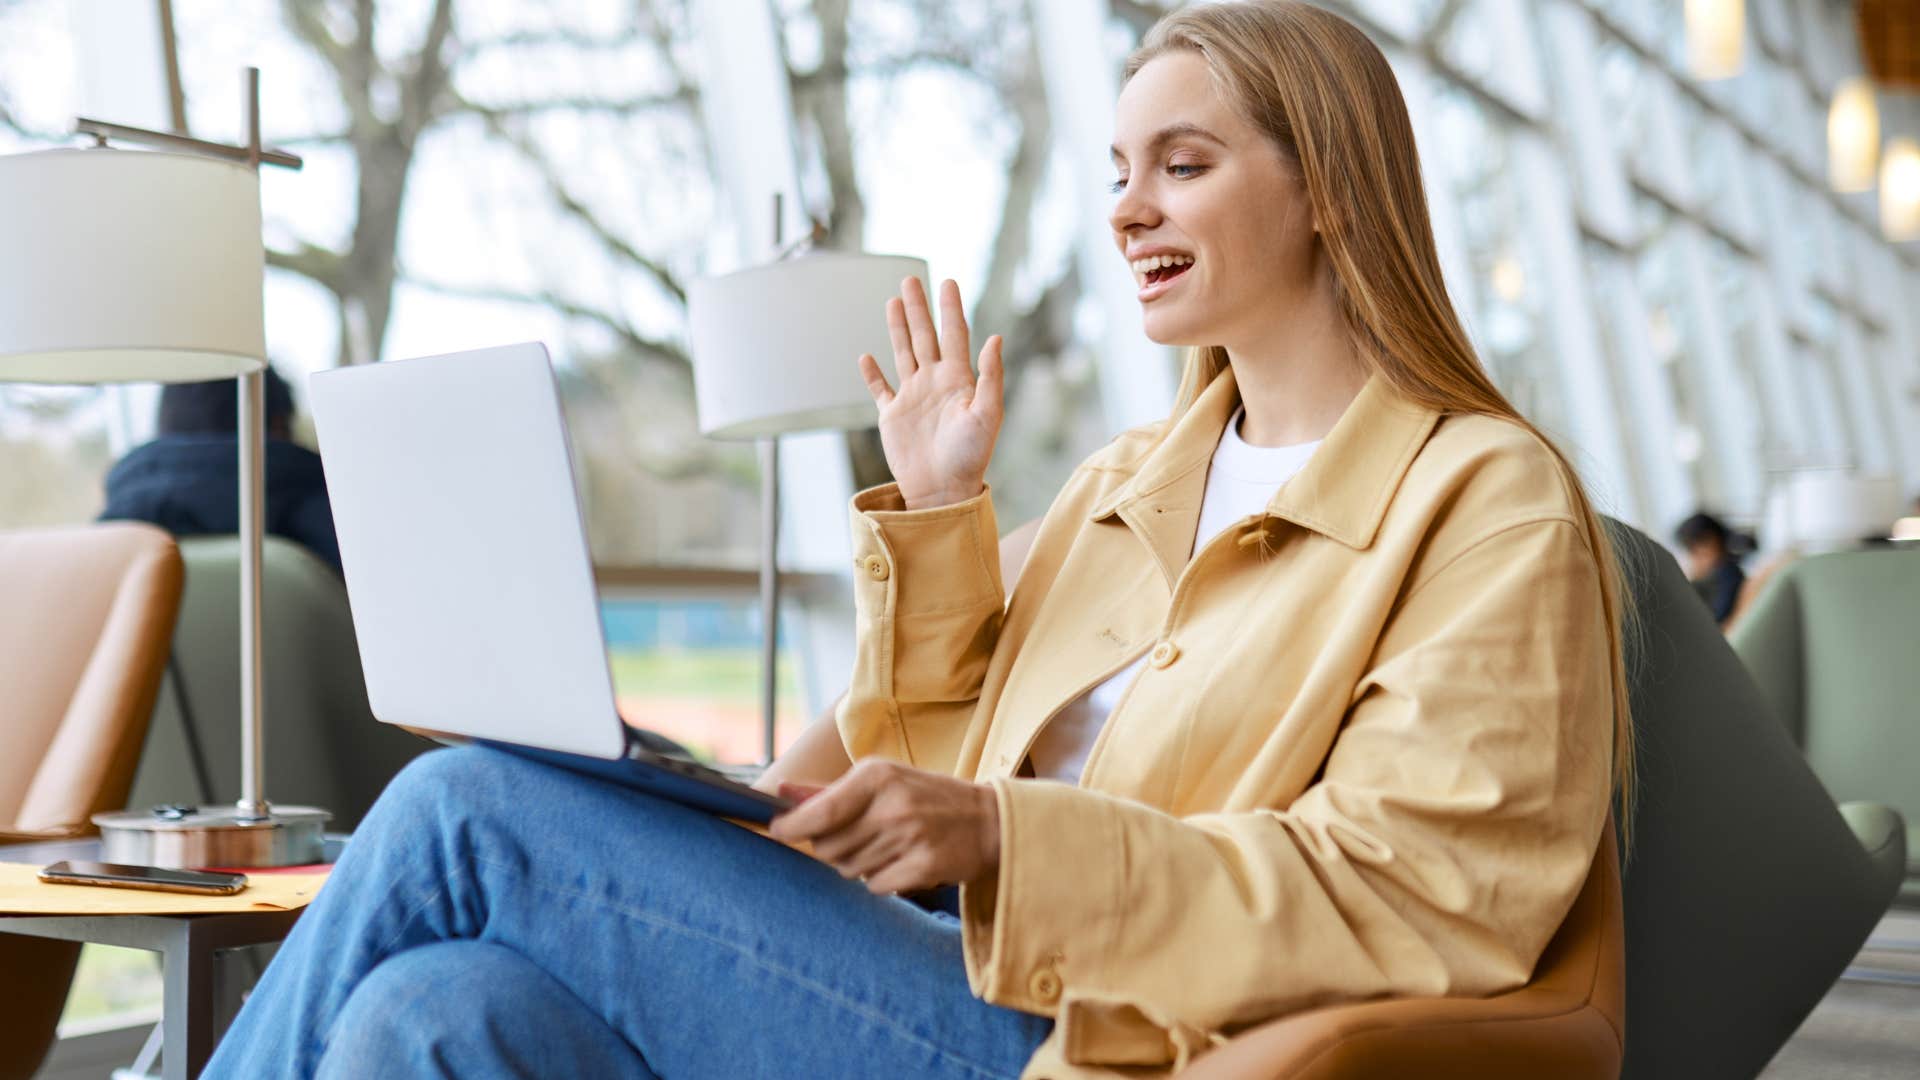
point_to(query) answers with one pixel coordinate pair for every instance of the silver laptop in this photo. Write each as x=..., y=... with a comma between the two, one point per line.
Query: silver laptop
x=467, y=567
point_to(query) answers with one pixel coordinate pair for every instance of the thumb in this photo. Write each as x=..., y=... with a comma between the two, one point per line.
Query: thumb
x=993, y=377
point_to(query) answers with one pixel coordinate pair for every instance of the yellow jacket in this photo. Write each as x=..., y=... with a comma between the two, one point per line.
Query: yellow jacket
x=1370, y=754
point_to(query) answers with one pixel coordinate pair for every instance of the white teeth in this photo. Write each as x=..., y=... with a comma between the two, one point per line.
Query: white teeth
x=1156, y=262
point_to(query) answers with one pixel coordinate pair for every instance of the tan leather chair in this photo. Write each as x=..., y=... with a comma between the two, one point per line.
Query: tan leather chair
x=85, y=625
x=1567, y=1023
x=1745, y=896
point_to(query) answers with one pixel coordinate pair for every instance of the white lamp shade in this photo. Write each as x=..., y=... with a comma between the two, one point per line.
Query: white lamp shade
x=120, y=265
x=775, y=347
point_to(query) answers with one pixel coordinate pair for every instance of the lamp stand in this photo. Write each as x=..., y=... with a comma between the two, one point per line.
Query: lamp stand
x=251, y=832
x=769, y=588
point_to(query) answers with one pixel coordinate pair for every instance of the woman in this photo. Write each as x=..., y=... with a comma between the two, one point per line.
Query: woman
x=1239, y=744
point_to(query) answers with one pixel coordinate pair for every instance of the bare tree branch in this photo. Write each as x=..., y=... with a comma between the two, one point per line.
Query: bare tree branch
x=569, y=203
x=825, y=101
x=955, y=61
x=658, y=348
x=320, y=265
x=13, y=124
x=305, y=20
x=315, y=138
x=680, y=97
x=572, y=39
x=420, y=96
x=1025, y=171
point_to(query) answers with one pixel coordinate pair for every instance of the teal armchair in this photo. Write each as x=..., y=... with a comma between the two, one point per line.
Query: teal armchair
x=1834, y=644
x=324, y=748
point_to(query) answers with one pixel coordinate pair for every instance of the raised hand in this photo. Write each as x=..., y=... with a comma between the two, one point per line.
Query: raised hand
x=939, y=427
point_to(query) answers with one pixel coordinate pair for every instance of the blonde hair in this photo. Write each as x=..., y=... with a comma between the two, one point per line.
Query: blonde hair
x=1324, y=93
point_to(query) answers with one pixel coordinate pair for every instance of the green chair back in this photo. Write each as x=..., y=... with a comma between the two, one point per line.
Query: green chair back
x=1746, y=894
x=323, y=746
x=1834, y=642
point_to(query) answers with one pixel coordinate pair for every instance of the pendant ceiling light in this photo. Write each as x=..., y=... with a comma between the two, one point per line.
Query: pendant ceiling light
x=1900, y=190
x=1716, y=37
x=1853, y=137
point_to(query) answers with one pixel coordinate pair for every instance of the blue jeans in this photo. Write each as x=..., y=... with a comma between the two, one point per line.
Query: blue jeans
x=495, y=917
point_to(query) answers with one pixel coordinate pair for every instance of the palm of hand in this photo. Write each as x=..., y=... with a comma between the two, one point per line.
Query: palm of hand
x=934, y=433
x=939, y=428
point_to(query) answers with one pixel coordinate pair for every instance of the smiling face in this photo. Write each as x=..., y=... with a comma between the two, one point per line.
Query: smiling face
x=1211, y=215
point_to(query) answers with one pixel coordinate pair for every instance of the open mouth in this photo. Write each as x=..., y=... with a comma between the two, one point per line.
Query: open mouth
x=1157, y=269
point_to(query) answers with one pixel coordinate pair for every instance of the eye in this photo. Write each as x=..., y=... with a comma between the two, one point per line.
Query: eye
x=1118, y=185
x=1182, y=171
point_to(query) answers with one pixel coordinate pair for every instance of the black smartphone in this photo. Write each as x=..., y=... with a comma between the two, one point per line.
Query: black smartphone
x=123, y=876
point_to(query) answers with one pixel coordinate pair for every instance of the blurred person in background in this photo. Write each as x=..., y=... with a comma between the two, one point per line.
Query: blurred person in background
x=1713, y=562
x=1311, y=692
x=187, y=480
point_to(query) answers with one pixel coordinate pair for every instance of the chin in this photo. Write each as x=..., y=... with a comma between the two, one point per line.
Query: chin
x=1170, y=328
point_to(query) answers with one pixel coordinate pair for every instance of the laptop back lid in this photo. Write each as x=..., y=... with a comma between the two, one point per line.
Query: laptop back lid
x=464, y=548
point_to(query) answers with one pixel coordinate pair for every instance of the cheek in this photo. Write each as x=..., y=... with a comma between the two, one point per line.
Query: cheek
x=1257, y=240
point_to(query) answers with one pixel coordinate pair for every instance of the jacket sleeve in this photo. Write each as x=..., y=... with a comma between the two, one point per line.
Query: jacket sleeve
x=928, y=606
x=1453, y=824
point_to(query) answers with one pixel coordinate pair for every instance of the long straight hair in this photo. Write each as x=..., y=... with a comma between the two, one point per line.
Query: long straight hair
x=1324, y=93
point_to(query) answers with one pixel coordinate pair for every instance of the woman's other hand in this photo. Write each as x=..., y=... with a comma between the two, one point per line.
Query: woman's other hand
x=897, y=828
x=939, y=427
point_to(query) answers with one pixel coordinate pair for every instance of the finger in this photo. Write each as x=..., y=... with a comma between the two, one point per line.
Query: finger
x=905, y=874
x=836, y=848
x=830, y=811
x=989, y=394
x=876, y=379
x=926, y=344
x=954, y=344
x=798, y=793
x=874, y=858
x=902, y=341
x=858, y=859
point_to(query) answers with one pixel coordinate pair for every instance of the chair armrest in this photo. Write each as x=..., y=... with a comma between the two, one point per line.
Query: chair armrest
x=36, y=836
x=1507, y=1035
x=1882, y=832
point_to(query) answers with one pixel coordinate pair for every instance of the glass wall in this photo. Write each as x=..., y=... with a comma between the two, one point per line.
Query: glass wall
x=1713, y=253
x=1651, y=266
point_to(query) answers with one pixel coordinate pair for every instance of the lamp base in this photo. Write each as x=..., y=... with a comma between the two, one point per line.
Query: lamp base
x=184, y=837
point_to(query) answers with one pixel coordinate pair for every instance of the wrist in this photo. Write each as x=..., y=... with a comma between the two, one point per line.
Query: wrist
x=989, y=826
x=945, y=497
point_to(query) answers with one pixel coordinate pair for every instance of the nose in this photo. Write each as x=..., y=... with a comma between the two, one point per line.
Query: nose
x=1134, y=209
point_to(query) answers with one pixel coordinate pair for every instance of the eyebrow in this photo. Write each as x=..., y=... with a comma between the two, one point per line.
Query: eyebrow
x=1166, y=135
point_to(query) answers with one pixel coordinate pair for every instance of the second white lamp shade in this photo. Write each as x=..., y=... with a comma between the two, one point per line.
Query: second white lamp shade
x=774, y=346
x=122, y=265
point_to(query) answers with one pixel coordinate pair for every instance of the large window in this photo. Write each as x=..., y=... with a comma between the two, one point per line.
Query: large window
x=1509, y=280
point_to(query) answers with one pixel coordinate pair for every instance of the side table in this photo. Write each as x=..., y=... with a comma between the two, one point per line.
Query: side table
x=187, y=945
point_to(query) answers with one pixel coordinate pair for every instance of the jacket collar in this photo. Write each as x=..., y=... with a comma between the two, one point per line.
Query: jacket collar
x=1342, y=492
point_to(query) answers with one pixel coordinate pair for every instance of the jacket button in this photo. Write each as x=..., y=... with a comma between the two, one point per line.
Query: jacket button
x=876, y=567
x=1165, y=653
x=1045, y=986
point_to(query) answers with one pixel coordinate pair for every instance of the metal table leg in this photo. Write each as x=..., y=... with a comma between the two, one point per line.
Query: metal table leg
x=187, y=1016
x=188, y=946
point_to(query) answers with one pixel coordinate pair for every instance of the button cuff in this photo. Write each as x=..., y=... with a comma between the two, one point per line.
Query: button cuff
x=1044, y=985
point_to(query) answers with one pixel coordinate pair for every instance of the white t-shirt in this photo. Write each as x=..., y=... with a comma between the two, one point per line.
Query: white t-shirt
x=1240, y=482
